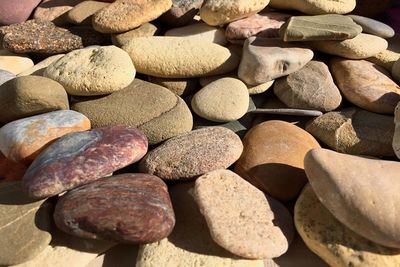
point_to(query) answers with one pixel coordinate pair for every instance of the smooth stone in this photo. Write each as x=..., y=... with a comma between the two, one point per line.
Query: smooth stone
x=180, y=57
x=39, y=68
x=93, y=71
x=14, y=63
x=264, y=60
x=145, y=30
x=320, y=27
x=10, y=170
x=22, y=140
x=121, y=255
x=12, y=12
x=372, y=212
x=190, y=243
x=169, y=118
x=182, y=12
x=125, y=15
x=315, y=7
x=311, y=87
x=355, y=131
x=241, y=218
x=6, y=76
x=396, y=71
x=366, y=85
x=24, y=225
x=224, y=100
x=273, y=158
x=201, y=32
x=98, y=210
x=83, y=12
x=360, y=47
x=181, y=87
x=396, y=137
x=374, y=27
x=30, y=95
x=219, y=12
x=192, y=154
x=265, y=25
x=79, y=158
x=55, y=10
x=332, y=241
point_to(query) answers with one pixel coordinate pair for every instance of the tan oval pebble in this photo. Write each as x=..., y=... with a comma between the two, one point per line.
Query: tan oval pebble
x=39, y=68
x=316, y=7
x=200, y=31
x=14, y=63
x=241, y=218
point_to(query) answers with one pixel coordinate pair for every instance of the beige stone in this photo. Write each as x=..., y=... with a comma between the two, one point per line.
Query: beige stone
x=145, y=30
x=335, y=243
x=200, y=31
x=179, y=57
x=14, y=63
x=181, y=87
x=388, y=57
x=39, y=68
x=82, y=13
x=316, y=7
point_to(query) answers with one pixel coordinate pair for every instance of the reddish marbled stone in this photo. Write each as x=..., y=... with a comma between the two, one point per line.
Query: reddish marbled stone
x=127, y=208
x=80, y=158
x=10, y=170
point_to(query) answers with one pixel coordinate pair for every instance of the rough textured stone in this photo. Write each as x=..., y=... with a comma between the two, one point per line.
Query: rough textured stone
x=360, y=47
x=396, y=138
x=190, y=242
x=145, y=30
x=125, y=15
x=372, y=212
x=10, y=170
x=366, y=85
x=219, y=12
x=190, y=155
x=182, y=12
x=332, y=241
x=55, y=10
x=273, y=158
x=136, y=108
x=6, y=76
x=93, y=71
x=14, y=63
x=201, y=32
x=24, y=225
x=181, y=87
x=83, y=12
x=374, y=27
x=39, y=68
x=83, y=157
x=22, y=140
x=311, y=87
x=16, y=11
x=241, y=218
x=321, y=27
x=316, y=7
x=179, y=57
x=30, y=95
x=144, y=197
x=264, y=60
x=355, y=131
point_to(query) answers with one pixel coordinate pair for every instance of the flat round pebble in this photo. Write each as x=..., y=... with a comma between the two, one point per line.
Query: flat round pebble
x=226, y=99
x=241, y=218
x=83, y=157
x=374, y=27
x=99, y=210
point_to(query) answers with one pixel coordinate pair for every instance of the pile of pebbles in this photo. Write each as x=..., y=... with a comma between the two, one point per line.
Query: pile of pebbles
x=254, y=133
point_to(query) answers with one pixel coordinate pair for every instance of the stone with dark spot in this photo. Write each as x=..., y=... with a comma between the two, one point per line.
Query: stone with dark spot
x=80, y=158
x=127, y=208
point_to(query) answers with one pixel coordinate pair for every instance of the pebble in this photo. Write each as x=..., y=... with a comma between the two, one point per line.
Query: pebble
x=39, y=68
x=179, y=57
x=22, y=140
x=396, y=137
x=30, y=95
x=332, y=241
x=190, y=243
x=360, y=47
x=355, y=131
x=320, y=27
x=145, y=30
x=125, y=15
x=24, y=225
x=374, y=27
x=182, y=12
x=224, y=100
x=16, y=11
x=388, y=57
x=241, y=218
x=366, y=85
x=201, y=32
x=98, y=210
x=180, y=87
x=14, y=63
x=219, y=12
x=55, y=10
x=311, y=87
x=10, y=170
x=265, y=25
x=315, y=7
x=372, y=211
x=93, y=155
x=83, y=12
x=135, y=106
x=273, y=158
x=93, y=71
x=190, y=155
x=6, y=76
x=264, y=60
